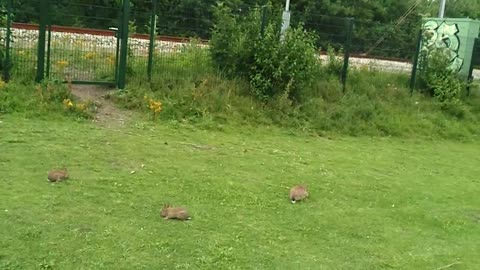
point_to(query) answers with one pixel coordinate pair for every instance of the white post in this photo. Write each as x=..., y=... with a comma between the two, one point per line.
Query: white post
x=441, y=11
x=285, y=19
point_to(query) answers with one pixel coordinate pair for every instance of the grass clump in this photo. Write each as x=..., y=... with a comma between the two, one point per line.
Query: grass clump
x=375, y=103
x=42, y=100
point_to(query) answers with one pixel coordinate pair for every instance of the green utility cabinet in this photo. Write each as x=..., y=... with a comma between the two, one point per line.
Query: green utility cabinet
x=457, y=35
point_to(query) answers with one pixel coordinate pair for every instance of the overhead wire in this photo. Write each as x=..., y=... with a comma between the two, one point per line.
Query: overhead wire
x=397, y=23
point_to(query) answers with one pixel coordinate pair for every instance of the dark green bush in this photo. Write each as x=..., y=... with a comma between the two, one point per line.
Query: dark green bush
x=437, y=77
x=231, y=45
x=272, y=67
x=334, y=63
x=283, y=67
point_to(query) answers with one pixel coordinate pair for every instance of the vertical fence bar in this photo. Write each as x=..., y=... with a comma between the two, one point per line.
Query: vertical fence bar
x=122, y=68
x=475, y=61
x=49, y=43
x=153, y=34
x=264, y=21
x=41, y=40
x=346, y=56
x=7, y=63
x=413, y=76
x=117, y=54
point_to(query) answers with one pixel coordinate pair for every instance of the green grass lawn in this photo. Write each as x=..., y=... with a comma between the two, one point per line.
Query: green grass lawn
x=374, y=203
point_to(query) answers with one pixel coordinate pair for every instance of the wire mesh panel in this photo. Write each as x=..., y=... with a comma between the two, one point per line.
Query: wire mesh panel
x=388, y=47
x=331, y=31
x=385, y=40
x=24, y=41
x=180, y=58
x=139, y=41
x=179, y=41
x=186, y=55
x=81, y=43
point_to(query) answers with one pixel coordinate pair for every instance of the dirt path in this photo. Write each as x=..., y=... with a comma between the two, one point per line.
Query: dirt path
x=108, y=115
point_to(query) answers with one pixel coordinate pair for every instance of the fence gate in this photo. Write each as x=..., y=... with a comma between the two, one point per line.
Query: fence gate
x=82, y=43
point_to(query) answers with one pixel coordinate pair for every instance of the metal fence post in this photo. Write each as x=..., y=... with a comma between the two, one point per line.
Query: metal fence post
x=7, y=63
x=41, y=40
x=346, y=56
x=122, y=69
x=117, y=50
x=475, y=61
x=153, y=34
x=413, y=76
x=49, y=47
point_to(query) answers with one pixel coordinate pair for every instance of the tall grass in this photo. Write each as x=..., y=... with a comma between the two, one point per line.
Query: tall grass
x=46, y=100
x=375, y=103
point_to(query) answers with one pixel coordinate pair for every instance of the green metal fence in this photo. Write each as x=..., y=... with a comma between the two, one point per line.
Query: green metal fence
x=22, y=43
x=75, y=55
x=55, y=47
x=19, y=47
x=380, y=40
x=333, y=32
x=4, y=42
x=144, y=41
x=180, y=41
x=165, y=46
x=153, y=41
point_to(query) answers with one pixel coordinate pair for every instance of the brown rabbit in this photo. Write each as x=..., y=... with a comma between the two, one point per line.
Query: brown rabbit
x=58, y=175
x=169, y=212
x=298, y=193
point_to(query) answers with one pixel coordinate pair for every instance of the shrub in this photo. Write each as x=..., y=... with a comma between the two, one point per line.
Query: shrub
x=334, y=64
x=283, y=67
x=438, y=78
x=272, y=67
x=231, y=45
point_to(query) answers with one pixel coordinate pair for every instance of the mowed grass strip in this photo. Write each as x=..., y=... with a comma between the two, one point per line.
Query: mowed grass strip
x=374, y=203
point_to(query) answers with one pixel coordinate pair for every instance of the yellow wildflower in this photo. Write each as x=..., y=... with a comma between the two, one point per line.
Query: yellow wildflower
x=110, y=59
x=155, y=106
x=62, y=63
x=2, y=84
x=67, y=102
x=80, y=106
x=89, y=55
